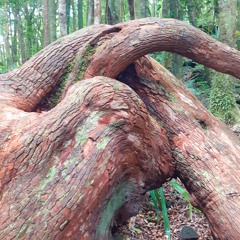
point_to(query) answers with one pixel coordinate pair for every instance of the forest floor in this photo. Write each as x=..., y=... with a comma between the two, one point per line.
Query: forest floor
x=146, y=226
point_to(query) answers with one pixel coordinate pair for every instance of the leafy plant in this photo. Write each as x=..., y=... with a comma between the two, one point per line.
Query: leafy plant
x=184, y=193
x=165, y=214
x=222, y=99
x=159, y=200
x=158, y=56
x=159, y=203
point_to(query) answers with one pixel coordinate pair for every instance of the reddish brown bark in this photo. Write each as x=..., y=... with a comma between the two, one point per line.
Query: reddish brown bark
x=71, y=161
x=144, y=36
x=71, y=171
x=26, y=86
x=206, y=153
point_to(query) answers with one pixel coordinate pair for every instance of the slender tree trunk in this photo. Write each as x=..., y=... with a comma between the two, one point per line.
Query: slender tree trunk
x=112, y=12
x=39, y=33
x=52, y=10
x=121, y=10
x=97, y=11
x=46, y=30
x=90, y=12
x=191, y=7
x=62, y=17
x=68, y=6
x=20, y=37
x=14, y=41
x=167, y=57
x=131, y=9
x=7, y=48
x=153, y=8
x=238, y=25
x=107, y=14
x=3, y=55
x=177, y=60
x=141, y=8
x=74, y=22
x=29, y=34
x=80, y=14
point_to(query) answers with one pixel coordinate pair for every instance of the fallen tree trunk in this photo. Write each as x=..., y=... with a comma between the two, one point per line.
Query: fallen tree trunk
x=73, y=170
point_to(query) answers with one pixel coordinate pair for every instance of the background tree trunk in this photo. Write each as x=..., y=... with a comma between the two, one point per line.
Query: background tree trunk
x=191, y=7
x=74, y=22
x=167, y=57
x=62, y=17
x=20, y=36
x=68, y=6
x=52, y=9
x=85, y=163
x=238, y=25
x=112, y=12
x=6, y=38
x=80, y=14
x=46, y=29
x=14, y=41
x=97, y=11
x=141, y=8
x=131, y=9
x=90, y=12
x=177, y=60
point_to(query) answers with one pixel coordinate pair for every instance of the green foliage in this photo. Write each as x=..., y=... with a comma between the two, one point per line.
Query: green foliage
x=3, y=69
x=165, y=214
x=159, y=201
x=191, y=85
x=200, y=87
x=158, y=56
x=184, y=193
x=222, y=99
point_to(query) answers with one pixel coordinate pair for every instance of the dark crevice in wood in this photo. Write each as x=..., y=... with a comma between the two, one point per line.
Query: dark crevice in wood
x=53, y=97
x=203, y=124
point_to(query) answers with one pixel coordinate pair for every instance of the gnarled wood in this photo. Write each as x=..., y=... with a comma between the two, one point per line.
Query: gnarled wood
x=77, y=164
x=140, y=37
x=206, y=153
x=71, y=171
x=26, y=86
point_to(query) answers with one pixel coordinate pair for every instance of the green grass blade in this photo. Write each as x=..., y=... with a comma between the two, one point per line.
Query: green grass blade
x=158, y=198
x=185, y=195
x=165, y=214
x=180, y=190
x=154, y=199
x=190, y=210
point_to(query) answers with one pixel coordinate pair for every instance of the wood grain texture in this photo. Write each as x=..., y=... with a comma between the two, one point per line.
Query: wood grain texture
x=73, y=170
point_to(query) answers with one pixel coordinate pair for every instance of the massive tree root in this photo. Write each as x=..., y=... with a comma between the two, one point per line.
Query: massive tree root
x=73, y=170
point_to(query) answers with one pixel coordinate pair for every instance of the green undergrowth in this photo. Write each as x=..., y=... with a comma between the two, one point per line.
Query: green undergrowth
x=222, y=99
x=160, y=204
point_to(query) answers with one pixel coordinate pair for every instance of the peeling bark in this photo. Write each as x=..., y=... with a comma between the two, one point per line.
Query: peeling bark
x=72, y=171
